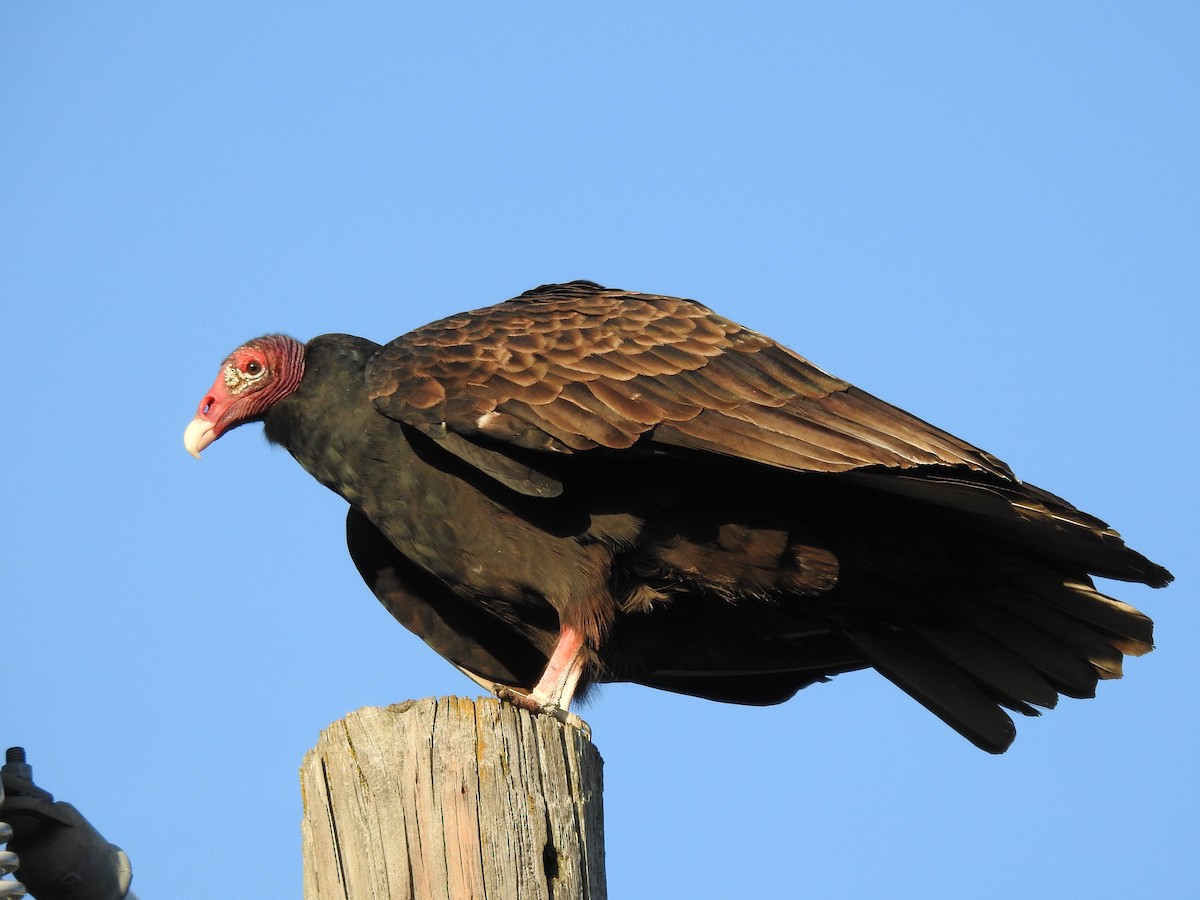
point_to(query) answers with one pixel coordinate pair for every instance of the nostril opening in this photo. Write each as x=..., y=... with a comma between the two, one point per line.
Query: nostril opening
x=206, y=405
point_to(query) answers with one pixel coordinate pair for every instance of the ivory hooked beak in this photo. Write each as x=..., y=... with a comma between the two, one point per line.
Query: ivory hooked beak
x=198, y=435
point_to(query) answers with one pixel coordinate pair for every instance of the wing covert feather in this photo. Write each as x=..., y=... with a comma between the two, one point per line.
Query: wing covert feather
x=578, y=367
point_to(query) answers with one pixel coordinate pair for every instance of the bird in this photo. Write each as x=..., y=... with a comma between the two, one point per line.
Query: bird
x=584, y=485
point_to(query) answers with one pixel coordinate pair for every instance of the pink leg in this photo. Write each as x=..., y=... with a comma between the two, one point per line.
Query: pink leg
x=557, y=684
x=556, y=687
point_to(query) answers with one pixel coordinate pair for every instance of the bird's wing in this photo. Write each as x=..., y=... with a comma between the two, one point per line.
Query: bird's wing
x=482, y=646
x=577, y=367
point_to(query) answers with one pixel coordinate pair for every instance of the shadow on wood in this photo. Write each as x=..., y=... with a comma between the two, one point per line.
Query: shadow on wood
x=452, y=798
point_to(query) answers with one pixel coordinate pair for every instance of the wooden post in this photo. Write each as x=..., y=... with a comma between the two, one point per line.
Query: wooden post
x=452, y=799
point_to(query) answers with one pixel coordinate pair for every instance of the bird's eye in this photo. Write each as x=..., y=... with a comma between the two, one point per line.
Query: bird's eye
x=253, y=367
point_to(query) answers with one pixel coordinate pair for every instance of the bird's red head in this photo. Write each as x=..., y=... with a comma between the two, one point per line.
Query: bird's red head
x=253, y=378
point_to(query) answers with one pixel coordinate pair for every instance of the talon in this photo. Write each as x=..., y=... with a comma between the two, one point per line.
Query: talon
x=516, y=697
x=569, y=718
x=521, y=700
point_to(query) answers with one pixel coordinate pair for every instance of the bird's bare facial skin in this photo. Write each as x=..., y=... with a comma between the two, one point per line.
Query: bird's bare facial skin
x=244, y=372
x=252, y=379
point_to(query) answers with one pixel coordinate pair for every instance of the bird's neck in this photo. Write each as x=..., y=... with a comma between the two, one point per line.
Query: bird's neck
x=326, y=422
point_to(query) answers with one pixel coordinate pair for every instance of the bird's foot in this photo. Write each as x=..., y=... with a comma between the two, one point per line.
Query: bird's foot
x=537, y=705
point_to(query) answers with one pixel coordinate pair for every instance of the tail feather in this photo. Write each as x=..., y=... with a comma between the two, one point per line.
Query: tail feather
x=940, y=686
x=1079, y=599
x=965, y=653
x=973, y=591
x=1087, y=643
x=1069, y=673
x=999, y=671
x=1029, y=517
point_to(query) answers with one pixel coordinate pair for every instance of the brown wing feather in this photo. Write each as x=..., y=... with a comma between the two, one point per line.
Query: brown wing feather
x=578, y=367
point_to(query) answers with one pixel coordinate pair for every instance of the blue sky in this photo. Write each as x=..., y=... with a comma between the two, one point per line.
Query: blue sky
x=985, y=215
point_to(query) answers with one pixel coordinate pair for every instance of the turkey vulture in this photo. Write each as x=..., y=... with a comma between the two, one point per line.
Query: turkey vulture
x=586, y=485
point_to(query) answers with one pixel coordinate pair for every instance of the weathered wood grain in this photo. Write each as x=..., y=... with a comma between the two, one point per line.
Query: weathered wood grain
x=452, y=798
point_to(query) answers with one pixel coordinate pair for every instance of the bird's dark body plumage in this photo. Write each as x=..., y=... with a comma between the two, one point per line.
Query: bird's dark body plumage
x=713, y=514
